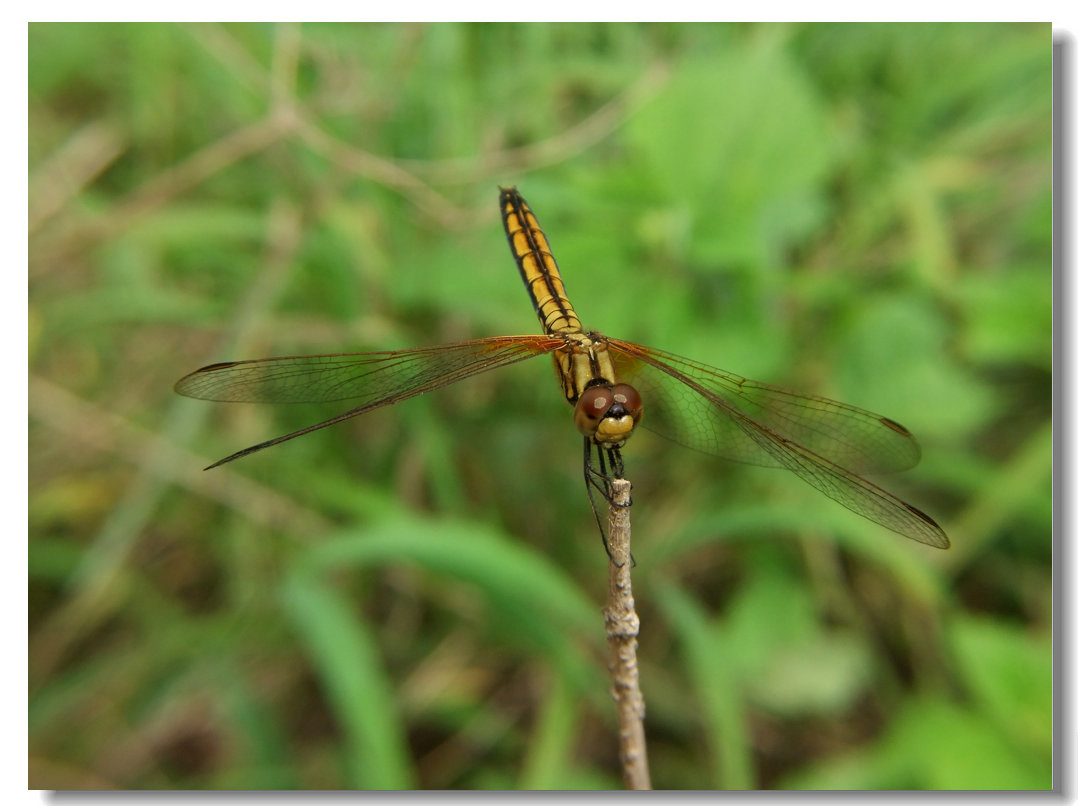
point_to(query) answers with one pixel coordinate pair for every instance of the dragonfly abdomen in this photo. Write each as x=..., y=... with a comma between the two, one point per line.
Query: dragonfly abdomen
x=537, y=265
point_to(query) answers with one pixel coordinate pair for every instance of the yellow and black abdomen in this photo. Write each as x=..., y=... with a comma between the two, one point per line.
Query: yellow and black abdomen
x=537, y=266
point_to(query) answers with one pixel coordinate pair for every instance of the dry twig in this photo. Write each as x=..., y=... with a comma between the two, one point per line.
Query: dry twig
x=622, y=628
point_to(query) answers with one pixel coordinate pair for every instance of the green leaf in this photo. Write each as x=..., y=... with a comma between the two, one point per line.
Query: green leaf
x=712, y=671
x=549, y=762
x=939, y=745
x=533, y=602
x=774, y=598
x=347, y=662
x=894, y=361
x=824, y=675
x=1009, y=671
x=739, y=143
x=932, y=744
x=1010, y=315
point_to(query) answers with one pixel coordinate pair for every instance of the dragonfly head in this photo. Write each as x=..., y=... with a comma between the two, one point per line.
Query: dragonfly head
x=607, y=414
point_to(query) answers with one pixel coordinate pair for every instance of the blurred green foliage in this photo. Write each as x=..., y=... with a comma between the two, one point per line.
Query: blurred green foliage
x=412, y=598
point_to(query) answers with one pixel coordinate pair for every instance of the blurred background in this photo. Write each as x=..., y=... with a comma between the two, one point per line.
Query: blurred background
x=412, y=598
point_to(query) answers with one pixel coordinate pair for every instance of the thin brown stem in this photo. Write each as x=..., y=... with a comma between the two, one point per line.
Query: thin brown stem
x=622, y=628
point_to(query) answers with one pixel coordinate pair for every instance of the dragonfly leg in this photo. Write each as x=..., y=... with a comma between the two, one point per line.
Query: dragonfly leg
x=600, y=479
x=595, y=480
x=611, y=466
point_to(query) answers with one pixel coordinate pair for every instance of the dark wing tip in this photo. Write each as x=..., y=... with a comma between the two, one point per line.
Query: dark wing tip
x=897, y=427
x=932, y=533
x=181, y=387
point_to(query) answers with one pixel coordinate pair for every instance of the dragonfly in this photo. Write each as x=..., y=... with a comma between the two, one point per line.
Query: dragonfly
x=609, y=383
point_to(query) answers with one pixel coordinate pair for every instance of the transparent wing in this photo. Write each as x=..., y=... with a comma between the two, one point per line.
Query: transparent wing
x=822, y=441
x=371, y=380
x=692, y=404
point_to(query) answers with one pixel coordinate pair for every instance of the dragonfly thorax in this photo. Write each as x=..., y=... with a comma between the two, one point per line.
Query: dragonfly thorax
x=608, y=413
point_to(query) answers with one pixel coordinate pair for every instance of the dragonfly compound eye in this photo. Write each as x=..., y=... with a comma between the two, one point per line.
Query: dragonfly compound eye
x=629, y=398
x=608, y=414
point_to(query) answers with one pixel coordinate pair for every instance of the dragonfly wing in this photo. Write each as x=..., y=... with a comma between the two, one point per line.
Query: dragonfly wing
x=693, y=405
x=371, y=380
x=724, y=414
x=853, y=492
